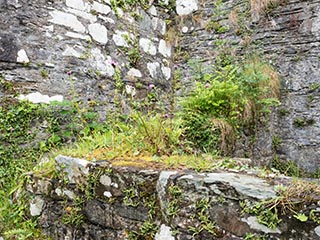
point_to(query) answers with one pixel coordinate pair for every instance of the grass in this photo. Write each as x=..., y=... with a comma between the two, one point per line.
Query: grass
x=298, y=199
x=124, y=152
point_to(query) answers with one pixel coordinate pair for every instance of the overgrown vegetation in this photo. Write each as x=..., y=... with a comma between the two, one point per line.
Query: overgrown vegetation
x=27, y=132
x=227, y=100
x=292, y=200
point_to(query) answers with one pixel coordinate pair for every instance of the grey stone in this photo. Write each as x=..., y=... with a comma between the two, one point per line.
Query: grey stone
x=164, y=233
x=8, y=48
x=101, y=8
x=76, y=168
x=77, y=4
x=68, y=20
x=40, y=98
x=105, y=180
x=147, y=46
x=161, y=188
x=317, y=230
x=22, y=56
x=254, y=224
x=244, y=184
x=185, y=7
x=165, y=48
x=69, y=194
x=98, y=32
x=36, y=206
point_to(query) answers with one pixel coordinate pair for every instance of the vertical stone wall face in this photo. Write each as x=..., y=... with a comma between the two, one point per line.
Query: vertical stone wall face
x=288, y=38
x=74, y=48
x=78, y=48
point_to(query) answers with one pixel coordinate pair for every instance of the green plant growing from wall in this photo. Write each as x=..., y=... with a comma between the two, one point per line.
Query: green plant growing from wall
x=295, y=200
x=203, y=218
x=73, y=213
x=131, y=197
x=227, y=100
x=175, y=200
x=254, y=236
x=288, y=167
x=27, y=132
x=44, y=73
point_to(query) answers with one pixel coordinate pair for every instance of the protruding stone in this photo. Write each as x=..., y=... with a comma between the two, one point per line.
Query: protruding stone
x=22, y=57
x=36, y=206
x=105, y=180
x=88, y=16
x=79, y=36
x=130, y=90
x=67, y=20
x=133, y=72
x=153, y=68
x=58, y=191
x=185, y=29
x=107, y=194
x=164, y=233
x=40, y=98
x=254, y=224
x=185, y=7
x=107, y=19
x=101, y=8
x=153, y=11
x=119, y=38
x=165, y=48
x=71, y=52
x=244, y=184
x=76, y=4
x=69, y=194
x=148, y=46
x=317, y=230
x=98, y=32
x=166, y=72
x=75, y=168
x=162, y=186
x=102, y=63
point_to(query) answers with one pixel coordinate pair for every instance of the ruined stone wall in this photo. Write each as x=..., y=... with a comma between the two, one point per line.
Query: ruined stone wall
x=78, y=49
x=83, y=49
x=95, y=200
x=287, y=36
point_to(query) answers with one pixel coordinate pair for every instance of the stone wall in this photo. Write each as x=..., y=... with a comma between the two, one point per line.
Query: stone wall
x=75, y=49
x=94, y=200
x=288, y=37
x=78, y=49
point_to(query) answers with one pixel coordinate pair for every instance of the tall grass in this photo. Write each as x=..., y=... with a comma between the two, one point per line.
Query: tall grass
x=259, y=7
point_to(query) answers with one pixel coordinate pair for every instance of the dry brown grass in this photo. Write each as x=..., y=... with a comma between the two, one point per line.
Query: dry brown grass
x=271, y=82
x=296, y=196
x=249, y=111
x=258, y=7
x=233, y=18
x=227, y=134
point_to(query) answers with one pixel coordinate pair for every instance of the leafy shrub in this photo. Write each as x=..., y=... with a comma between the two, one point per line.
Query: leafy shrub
x=225, y=101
